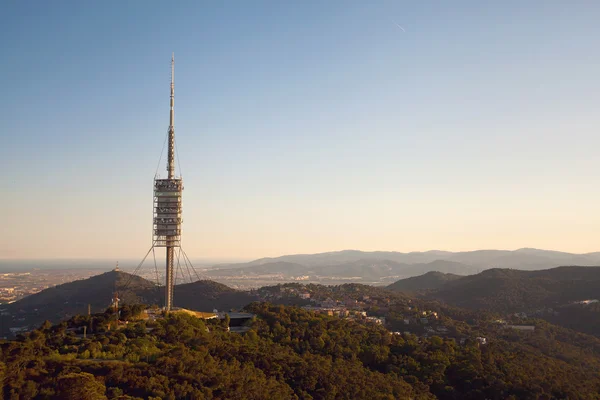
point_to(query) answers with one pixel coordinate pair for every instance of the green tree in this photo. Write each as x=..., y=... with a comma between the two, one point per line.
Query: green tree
x=80, y=386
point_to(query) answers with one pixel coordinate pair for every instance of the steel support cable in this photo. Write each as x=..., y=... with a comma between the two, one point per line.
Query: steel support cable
x=186, y=267
x=155, y=267
x=179, y=265
x=137, y=268
x=182, y=274
x=176, y=267
x=184, y=259
x=161, y=153
x=194, y=269
x=157, y=277
x=191, y=265
x=188, y=270
x=178, y=163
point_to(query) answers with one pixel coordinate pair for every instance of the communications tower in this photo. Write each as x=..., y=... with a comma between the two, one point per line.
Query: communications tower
x=167, y=204
x=166, y=217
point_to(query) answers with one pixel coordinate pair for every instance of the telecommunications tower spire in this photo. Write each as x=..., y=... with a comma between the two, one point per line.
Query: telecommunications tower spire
x=171, y=156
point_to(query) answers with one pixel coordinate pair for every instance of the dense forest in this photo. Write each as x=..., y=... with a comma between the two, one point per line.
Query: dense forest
x=290, y=353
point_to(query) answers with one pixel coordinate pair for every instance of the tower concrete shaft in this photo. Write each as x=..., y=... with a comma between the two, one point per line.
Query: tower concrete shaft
x=169, y=279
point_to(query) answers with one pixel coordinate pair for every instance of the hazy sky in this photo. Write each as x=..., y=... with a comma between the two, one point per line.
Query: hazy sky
x=302, y=126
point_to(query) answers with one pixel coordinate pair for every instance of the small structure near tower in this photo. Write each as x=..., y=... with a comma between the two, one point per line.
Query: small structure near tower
x=115, y=300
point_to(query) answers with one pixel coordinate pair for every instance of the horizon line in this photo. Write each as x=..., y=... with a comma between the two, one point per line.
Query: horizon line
x=293, y=254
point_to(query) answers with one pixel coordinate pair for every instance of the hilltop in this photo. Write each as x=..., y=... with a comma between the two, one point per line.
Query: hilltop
x=73, y=297
x=510, y=290
x=566, y=296
x=206, y=295
x=428, y=281
x=62, y=301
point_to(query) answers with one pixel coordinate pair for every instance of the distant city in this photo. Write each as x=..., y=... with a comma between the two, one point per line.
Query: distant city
x=17, y=285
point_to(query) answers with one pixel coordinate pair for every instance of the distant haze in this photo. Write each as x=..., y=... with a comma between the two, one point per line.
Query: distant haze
x=102, y=264
x=374, y=264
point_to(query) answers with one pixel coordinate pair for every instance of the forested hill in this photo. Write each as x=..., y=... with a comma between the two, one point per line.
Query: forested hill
x=430, y=280
x=63, y=301
x=509, y=290
x=290, y=353
x=206, y=295
x=566, y=296
x=71, y=298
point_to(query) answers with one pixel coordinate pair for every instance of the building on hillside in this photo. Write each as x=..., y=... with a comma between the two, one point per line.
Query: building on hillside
x=238, y=322
x=376, y=320
x=153, y=314
x=328, y=303
x=529, y=328
x=586, y=302
x=305, y=296
x=16, y=330
x=430, y=314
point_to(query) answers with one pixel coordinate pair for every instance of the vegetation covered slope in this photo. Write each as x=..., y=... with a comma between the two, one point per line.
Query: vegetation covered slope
x=72, y=298
x=63, y=301
x=292, y=354
x=206, y=295
x=428, y=281
x=508, y=290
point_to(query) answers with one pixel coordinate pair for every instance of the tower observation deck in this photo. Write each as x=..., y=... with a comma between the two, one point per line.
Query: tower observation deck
x=167, y=204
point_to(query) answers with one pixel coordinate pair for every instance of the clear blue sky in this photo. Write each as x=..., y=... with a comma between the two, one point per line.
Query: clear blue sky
x=302, y=126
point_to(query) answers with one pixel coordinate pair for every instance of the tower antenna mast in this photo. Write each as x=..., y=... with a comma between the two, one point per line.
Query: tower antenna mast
x=171, y=156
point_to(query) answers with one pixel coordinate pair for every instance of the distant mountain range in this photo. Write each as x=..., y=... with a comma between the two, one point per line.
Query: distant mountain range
x=456, y=281
x=386, y=267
